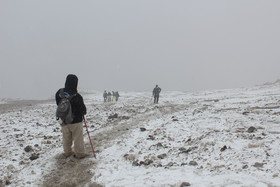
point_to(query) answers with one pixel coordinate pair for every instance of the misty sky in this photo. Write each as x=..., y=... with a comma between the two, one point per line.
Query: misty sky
x=128, y=45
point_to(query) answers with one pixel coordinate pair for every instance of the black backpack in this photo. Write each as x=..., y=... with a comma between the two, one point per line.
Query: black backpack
x=64, y=109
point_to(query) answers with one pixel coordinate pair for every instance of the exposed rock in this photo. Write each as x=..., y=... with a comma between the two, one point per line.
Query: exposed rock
x=146, y=162
x=151, y=137
x=245, y=167
x=223, y=148
x=129, y=157
x=113, y=116
x=135, y=163
x=142, y=129
x=34, y=156
x=193, y=163
x=184, y=150
x=184, y=184
x=159, y=144
x=10, y=167
x=258, y=165
x=124, y=117
x=48, y=142
x=251, y=129
x=8, y=182
x=162, y=156
x=170, y=164
x=275, y=175
x=245, y=113
x=28, y=148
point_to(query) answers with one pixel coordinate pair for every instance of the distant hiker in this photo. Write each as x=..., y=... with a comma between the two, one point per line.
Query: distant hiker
x=105, y=96
x=72, y=132
x=156, y=92
x=109, y=95
x=113, y=96
x=117, y=95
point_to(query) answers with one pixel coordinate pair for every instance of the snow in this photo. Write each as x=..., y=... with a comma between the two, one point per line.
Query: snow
x=196, y=137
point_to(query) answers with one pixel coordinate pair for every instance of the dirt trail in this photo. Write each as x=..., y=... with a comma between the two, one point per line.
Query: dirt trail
x=72, y=172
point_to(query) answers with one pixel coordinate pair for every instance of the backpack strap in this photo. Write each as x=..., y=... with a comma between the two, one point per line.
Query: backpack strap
x=62, y=94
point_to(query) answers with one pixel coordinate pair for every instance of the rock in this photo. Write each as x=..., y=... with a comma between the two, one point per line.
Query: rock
x=159, y=145
x=245, y=113
x=258, y=165
x=275, y=175
x=28, y=148
x=159, y=165
x=184, y=150
x=142, y=129
x=8, y=182
x=135, y=163
x=146, y=162
x=170, y=164
x=34, y=156
x=124, y=117
x=162, y=156
x=223, y=148
x=10, y=167
x=129, y=157
x=113, y=116
x=184, y=184
x=48, y=142
x=193, y=163
x=245, y=167
x=171, y=139
x=251, y=129
x=151, y=137
x=175, y=119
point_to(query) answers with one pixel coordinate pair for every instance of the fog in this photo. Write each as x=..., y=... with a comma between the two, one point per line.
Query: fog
x=134, y=45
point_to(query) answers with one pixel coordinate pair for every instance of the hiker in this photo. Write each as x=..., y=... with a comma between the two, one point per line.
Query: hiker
x=73, y=132
x=156, y=92
x=113, y=96
x=109, y=96
x=105, y=96
x=117, y=95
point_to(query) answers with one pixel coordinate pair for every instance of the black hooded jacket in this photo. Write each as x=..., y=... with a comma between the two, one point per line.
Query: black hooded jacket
x=77, y=102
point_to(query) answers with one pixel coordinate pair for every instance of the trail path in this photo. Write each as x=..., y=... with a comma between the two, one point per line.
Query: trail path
x=73, y=172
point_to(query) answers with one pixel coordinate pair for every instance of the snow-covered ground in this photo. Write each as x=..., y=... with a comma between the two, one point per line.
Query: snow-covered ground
x=210, y=138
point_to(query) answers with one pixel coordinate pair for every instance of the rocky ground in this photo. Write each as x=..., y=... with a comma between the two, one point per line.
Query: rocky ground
x=211, y=138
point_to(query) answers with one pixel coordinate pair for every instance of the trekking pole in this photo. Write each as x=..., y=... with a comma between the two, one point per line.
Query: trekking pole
x=89, y=137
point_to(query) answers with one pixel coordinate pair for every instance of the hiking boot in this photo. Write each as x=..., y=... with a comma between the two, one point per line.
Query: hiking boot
x=81, y=155
x=65, y=155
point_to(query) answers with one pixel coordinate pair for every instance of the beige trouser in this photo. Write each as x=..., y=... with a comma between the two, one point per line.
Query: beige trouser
x=73, y=133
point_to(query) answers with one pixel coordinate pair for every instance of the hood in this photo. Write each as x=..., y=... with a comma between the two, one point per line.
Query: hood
x=71, y=82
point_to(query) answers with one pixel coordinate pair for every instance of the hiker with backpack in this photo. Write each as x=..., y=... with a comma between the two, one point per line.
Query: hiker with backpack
x=117, y=95
x=109, y=95
x=105, y=96
x=156, y=92
x=71, y=110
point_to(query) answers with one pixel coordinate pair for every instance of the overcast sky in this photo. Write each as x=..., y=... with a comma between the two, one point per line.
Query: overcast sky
x=129, y=45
